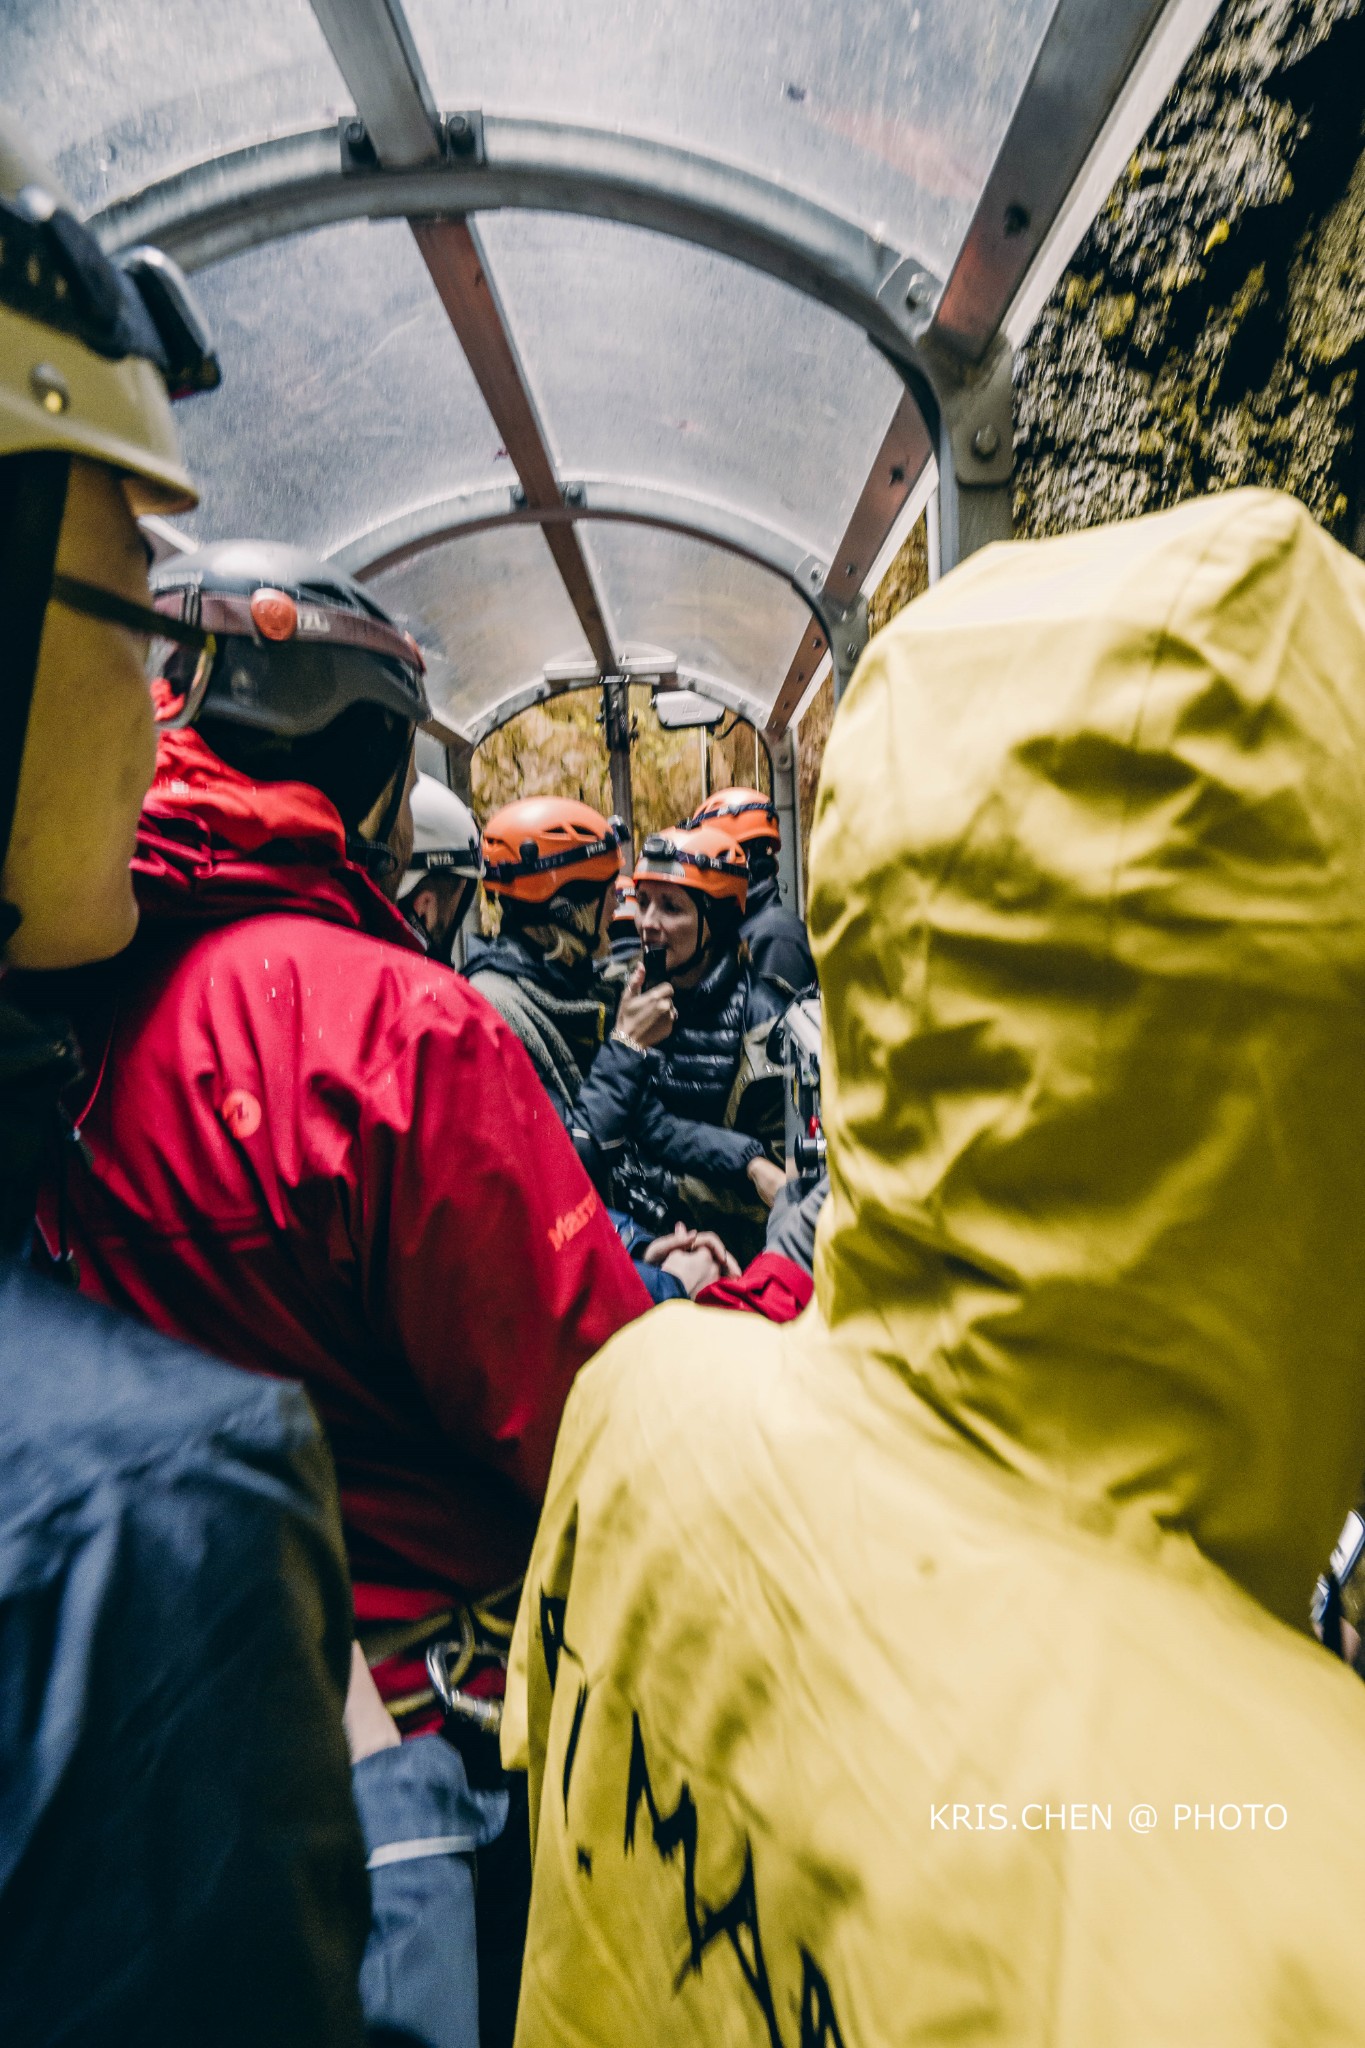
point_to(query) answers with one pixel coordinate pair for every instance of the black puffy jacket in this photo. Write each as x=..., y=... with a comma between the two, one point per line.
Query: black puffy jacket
x=695, y=1068
x=687, y=1117
x=777, y=942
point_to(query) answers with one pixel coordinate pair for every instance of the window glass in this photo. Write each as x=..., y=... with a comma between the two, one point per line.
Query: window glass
x=713, y=611
x=890, y=111
x=117, y=92
x=346, y=398
x=494, y=607
x=655, y=361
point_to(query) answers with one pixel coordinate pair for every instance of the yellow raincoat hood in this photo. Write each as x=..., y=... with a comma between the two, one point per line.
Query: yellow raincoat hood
x=1088, y=906
x=904, y=1676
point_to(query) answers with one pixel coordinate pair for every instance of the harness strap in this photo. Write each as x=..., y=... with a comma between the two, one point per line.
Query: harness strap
x=32, y=505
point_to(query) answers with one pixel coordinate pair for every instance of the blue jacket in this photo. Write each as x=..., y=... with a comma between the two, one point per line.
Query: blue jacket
x=180, y=1858
x=422, y=1825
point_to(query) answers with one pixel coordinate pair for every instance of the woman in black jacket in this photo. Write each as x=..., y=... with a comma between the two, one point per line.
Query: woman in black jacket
x=693, y=1126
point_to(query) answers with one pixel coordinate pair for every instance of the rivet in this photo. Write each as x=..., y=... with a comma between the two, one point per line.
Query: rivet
x=461, y=139
x=1016, y=220
x=518, y=498
x=986, y=442
x=917, y=291
x=49, y=387
x=897, y=474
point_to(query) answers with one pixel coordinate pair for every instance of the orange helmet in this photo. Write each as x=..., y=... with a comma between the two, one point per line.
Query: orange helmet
x=701, y=857
x=533, y=847
x=747, y=815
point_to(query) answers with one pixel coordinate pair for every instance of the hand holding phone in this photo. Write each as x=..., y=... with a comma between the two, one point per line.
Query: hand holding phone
x=646, y=1013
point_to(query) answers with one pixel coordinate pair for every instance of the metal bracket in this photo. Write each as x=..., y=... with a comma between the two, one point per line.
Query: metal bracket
x=809, y=577
x=910, y=295
x=358, y=152
x=459, y=138
x=848, y=624
x=978, y=412
x=970, y=414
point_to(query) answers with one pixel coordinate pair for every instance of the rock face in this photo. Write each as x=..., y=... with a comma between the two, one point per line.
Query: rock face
x=1210, y=330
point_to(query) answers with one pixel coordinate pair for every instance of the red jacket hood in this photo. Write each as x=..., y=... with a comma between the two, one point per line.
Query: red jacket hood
x=213, y=846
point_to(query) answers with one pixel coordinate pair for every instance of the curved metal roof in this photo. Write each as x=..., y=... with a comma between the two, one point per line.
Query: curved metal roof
x=605, y=338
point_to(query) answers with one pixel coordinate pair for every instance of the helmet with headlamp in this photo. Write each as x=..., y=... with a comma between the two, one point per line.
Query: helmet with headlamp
x=540, y=845
x=700, y=858
x=307, y=677
x=92, y=350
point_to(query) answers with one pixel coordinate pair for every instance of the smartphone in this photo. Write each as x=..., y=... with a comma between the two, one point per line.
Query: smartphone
x=656, y=966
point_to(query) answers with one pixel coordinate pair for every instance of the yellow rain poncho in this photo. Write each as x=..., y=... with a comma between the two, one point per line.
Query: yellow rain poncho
x=936, y=1669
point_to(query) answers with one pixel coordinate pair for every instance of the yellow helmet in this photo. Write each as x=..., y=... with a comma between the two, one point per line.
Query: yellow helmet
x=91, y=352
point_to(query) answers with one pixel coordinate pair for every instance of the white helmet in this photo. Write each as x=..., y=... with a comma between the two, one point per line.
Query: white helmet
x=445, y=837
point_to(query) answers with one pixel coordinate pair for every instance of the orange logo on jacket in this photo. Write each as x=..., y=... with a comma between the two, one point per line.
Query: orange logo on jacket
x=241, y=1112
x=570, y=1223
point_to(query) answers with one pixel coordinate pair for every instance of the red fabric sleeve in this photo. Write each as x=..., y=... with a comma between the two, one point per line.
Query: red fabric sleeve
x=770, y=1286
x=488, y=1257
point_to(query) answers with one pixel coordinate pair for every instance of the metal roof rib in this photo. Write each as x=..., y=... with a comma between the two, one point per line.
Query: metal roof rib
x=376, y=55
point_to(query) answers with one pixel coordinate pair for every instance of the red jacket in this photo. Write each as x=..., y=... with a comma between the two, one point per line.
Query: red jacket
x=318, y=1154
x=771, y=1285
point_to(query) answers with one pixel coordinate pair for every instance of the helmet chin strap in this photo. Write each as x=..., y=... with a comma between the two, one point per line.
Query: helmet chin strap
x=698, y=953
x=32, y=507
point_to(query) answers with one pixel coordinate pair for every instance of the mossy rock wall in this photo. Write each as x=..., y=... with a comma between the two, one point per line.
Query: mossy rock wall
x=1210, y=330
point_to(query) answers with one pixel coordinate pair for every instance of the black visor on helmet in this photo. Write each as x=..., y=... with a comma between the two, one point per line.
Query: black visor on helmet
x=299, y=688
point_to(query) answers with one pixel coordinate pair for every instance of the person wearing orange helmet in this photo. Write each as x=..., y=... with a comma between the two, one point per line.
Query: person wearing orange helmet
x=776, y=937
x=692, y=1121
x=553, y=864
